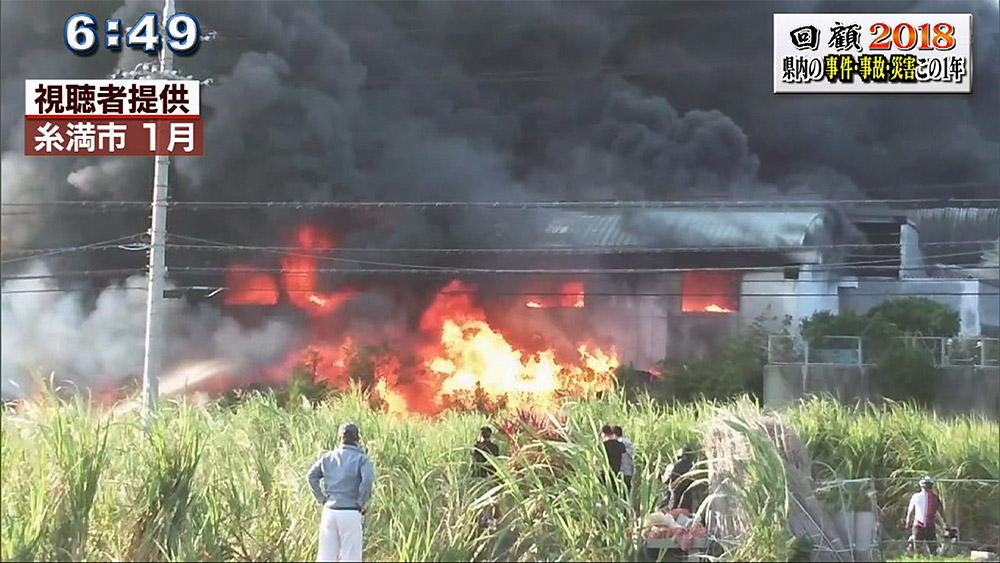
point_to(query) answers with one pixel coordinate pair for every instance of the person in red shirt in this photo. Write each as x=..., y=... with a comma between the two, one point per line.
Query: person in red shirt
x=924, y=510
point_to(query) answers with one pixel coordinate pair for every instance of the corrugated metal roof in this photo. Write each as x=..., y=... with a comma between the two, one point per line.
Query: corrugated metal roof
x=588, y=230
x=957, y=214
x=687, y=228
x=956, y=224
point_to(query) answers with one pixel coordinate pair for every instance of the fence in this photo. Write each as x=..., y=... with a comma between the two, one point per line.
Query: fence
x=852, y=350
x=970, y=506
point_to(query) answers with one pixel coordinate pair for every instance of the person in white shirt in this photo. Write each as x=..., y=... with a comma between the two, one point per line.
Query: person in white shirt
x=925, y=509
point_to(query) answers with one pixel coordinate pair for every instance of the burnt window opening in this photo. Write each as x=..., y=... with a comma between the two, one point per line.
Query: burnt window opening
x=568, y=295
x=711, y=292
x=791, y=272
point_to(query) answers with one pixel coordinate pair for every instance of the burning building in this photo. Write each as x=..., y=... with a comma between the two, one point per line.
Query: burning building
x=669, y=282
x=649, y=283
x=678, y=279
x=591, y=290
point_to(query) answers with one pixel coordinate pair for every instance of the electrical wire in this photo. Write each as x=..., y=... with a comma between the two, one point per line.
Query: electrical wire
x=482, y=292
x=295, y=251
x=460, y=271
x=402, y=268
x=41, y=253
x=603, y=204
x=76, y=274
x=220, y=246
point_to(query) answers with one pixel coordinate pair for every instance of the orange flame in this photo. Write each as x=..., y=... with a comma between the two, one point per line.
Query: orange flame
x=573, y=295
x=711, y=292
x=570, y=296
x=713, y=308
x=472, y=358
x=245, y=287
x=395, y=403
x=298, y=270
x=466, y=363
x=298, y=276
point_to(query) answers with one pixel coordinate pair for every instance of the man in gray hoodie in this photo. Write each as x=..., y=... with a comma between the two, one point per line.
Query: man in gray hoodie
x=341, y=480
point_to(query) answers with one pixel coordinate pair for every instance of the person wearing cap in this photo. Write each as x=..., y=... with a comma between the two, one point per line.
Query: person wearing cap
x=341, y=480
x=925, y=508
x=677, y=481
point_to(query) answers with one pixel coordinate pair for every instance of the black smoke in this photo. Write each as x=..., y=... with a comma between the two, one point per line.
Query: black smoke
x=481, y=101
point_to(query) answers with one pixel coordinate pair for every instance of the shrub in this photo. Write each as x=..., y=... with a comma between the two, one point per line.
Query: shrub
x=919, y=316
x=734, y=367
x=903, y=372
x=906, y=374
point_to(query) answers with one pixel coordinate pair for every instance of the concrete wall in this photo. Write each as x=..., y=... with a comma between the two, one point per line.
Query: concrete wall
x=767, y=294
x=963, y=389
x=771, y=295
x=989, y=308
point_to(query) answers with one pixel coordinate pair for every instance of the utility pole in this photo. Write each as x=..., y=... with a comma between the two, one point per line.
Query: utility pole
x=155, y=321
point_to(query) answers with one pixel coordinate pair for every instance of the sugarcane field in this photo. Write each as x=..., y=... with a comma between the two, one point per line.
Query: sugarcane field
x=504, y=280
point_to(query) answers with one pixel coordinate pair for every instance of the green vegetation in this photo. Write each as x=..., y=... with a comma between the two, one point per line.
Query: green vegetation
x=905, y=372
x=734, y=367
x=913, y=316
x=228, y=483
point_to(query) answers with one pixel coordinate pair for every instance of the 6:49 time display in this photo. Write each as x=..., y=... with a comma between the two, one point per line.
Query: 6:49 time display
x=182, y=30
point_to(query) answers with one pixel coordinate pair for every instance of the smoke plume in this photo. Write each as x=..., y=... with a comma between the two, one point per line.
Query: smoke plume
x=430, y=101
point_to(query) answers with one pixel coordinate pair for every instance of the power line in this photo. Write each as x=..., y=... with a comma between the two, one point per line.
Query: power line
x=527, y=293
x=303, y=253
x=853, y=264
x=214, y=245
x=221, y=246
x=84, y=206
x=396, y=268
x=402, y=268
x=458, y=271
x=446, y=271
x=217, y=246
x=715, y=204
x=76, y=274
x=111, y=243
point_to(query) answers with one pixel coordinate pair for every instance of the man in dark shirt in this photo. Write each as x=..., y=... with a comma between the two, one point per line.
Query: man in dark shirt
x=678, y=482
x=484, y=445
x=615, y=451
x=484, y=469
x=628, y=459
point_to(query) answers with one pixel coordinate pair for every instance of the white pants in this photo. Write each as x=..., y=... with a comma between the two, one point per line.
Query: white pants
x=340, y=535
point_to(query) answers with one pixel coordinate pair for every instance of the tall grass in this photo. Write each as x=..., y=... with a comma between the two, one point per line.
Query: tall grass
x=896, y=444
x=50, y=515
x=213, y=483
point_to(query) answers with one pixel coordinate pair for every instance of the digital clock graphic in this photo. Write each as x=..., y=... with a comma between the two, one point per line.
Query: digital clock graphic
x=182, y=31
